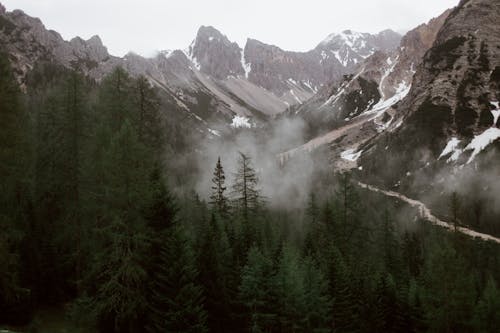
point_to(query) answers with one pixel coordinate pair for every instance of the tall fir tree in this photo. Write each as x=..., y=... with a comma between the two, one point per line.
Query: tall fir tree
x=14, y=188
x=177, y=299
x=256, y=291
x=150, y=123
x=218, y=199
x=246, y=193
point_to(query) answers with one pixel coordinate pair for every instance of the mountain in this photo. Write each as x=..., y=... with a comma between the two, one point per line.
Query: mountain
x=451, y=112
x=275, y=69
x=361, y=105
x=214, y=79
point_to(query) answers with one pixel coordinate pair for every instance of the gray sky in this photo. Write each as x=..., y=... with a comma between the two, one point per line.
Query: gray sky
x=145, y=26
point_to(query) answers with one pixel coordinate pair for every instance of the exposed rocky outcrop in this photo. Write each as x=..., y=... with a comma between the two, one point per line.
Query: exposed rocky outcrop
x=213, y=54
x=447, y=117
x=382, y=80
x=274, y=68
x=260, y=79
x=458, y=72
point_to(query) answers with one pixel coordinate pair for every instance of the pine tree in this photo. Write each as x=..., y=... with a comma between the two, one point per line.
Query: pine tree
x=454, y=206
x=161, y=211
x=487, y=311
x=302, y=300
x=391, y=314
x=120, y=299
x=245, y=190
x=115, y=102
x=14, y=161
x=412, y=253
x=177, y=301
x=118, y=275
x=218, y=200
x=389, y=246
x=450, y=294
x=149, y=120
x=256, y=290
x=348, y=212
x=317, y=300
x=14, y=152
x=345, y=308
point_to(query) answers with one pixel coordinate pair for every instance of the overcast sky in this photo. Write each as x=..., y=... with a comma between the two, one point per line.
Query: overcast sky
x=146, y=26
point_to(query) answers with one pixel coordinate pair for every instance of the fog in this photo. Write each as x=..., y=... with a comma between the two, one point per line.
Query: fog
x=283, y=186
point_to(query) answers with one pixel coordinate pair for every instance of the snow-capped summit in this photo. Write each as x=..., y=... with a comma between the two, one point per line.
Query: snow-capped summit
x=350, y=48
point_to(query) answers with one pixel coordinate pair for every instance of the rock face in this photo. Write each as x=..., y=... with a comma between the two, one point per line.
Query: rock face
x=456, y=83
x=213, y=54
x=382, y=80
x=272, y=67
x=27, y=40
x=212, y=74
x=448, y=115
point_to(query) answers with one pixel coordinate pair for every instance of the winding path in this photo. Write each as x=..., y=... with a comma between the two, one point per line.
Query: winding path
x=426, y=214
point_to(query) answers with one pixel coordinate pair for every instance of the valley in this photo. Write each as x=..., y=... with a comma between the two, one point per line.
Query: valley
x=243, y=187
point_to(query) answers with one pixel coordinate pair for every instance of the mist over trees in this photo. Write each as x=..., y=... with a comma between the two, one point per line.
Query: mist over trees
x=91, y=224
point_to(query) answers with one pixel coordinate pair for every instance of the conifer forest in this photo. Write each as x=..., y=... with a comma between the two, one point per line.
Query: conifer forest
x=99, y=221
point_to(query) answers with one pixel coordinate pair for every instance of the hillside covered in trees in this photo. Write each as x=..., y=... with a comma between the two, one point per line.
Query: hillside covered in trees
x=98, y=222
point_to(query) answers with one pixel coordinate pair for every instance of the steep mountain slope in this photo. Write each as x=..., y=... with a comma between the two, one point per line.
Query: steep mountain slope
x=273, y=68
x=448, y=141
x=363, y=105
x=28, y=42
x=451, y=111
x=214, y=79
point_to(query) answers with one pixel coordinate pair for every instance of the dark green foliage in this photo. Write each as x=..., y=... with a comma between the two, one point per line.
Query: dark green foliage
x=88, y=221
x=218, y=199
x=150, y=123
x=487, y=312
x=246, y=193
x=177, y=300
x=450, y=297
x=256, y=291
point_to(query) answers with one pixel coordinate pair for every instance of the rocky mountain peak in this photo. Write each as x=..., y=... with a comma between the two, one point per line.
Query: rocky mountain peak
x=214, y=54
x=2, y=9
x=209, y=33
x=350, y=48
x=93, y=48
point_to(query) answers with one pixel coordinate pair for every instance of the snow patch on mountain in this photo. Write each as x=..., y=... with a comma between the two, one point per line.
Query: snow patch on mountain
x=481, y=141
x=247, y=67
x=295, y=96
x=348, y=36
x=351, y=155
x=451, y=148
x=189, y=53
x=214, y=132
x=343, y=61
x=477, y=145
x=241, y=122
x=383, y=105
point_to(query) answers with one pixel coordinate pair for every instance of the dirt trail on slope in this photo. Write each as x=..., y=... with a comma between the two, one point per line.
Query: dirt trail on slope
x=323, y=139
x=426, y=214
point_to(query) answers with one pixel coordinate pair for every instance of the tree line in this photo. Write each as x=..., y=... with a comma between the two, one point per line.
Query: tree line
x=88, y=220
